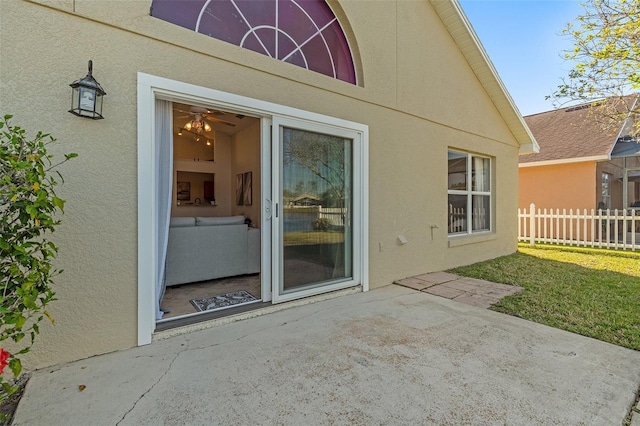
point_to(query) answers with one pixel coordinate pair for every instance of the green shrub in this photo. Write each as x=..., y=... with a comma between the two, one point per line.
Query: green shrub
x=321, y=224
x=28, y=205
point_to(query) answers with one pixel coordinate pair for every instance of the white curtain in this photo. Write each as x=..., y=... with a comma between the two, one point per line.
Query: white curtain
x=164, y=179
x=481, y=174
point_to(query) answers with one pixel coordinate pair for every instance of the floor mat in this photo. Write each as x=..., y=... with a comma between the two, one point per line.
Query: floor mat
x=220, y=301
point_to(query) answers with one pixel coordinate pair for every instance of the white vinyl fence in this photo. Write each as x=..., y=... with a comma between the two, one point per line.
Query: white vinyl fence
x=613, y=229
x=458, y=219
x=335, y=216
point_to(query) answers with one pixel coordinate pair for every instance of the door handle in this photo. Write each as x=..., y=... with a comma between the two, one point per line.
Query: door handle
x=267, y=208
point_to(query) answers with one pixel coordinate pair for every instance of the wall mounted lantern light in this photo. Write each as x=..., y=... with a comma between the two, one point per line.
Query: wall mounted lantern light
x=86, y=96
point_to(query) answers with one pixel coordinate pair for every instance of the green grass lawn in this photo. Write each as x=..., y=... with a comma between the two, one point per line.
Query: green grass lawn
x=593, y=292
x=312, y=238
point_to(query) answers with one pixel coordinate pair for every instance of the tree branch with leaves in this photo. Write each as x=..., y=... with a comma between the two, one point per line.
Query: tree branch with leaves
x=606, y=60
x=322, y=155
x=28, y=208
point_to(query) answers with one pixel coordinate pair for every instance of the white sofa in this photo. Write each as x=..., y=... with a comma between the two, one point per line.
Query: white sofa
x=206, y=248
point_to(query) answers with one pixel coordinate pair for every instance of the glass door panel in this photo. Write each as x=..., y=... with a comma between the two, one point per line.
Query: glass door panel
x=314, y=250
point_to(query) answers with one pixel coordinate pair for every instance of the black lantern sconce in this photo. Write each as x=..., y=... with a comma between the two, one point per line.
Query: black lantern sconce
x=86, y=97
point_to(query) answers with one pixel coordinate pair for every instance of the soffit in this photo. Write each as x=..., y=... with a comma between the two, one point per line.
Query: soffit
x=624, y=148
x=462, y=32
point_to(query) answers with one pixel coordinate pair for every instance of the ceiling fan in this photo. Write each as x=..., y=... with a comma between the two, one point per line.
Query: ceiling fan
x=199, y=117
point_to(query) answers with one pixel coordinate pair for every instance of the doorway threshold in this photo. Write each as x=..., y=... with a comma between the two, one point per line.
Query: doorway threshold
x=208, y=316
x=209, y=320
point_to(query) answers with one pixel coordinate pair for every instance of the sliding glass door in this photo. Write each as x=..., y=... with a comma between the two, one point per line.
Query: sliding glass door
x=313, y=244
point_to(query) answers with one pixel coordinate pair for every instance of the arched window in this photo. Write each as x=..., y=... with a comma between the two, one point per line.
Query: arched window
x=301, y=32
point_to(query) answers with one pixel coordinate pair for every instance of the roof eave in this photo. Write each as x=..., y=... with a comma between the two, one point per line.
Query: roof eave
x=564, y=161
x=530, y=148
x=462, y=32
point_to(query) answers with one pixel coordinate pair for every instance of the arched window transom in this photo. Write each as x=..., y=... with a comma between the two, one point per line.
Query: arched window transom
x=305, y=33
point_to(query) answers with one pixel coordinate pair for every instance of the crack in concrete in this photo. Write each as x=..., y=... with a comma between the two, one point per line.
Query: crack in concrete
x=301, y=317
x=633, y=410
x=148, y=390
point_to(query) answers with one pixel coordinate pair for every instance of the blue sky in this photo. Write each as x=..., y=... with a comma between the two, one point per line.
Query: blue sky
x=522, y=38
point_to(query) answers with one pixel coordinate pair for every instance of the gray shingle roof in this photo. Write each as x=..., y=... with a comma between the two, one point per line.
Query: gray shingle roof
x=571, y=133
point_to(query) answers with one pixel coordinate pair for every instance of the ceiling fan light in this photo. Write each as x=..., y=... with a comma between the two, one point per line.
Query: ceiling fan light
x=188, y=126
x=207, y=127
x=208, y=142
x=179, y=132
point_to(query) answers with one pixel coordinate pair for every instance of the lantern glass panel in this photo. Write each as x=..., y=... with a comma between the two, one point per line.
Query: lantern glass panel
x=75, y=96
x=98, y=108
x=87, y=101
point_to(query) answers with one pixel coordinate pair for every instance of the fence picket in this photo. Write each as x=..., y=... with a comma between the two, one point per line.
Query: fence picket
x=570, y=224
x=584, y=223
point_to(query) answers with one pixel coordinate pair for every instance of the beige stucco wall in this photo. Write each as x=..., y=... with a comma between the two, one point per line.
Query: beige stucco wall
x=418, y=96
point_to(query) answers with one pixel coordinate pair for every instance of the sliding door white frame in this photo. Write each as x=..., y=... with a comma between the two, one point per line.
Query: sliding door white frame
x=354, y=256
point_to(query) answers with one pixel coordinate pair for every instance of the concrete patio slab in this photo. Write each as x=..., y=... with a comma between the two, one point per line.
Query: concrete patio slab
x=473, y=291
x=443, y=291
x=463, y=285
x=414, y=283
x=389, y=356
x=438, y=277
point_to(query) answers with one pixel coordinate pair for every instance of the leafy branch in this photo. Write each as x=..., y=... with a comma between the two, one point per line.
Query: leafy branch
x=606, y=60
x=28, y=208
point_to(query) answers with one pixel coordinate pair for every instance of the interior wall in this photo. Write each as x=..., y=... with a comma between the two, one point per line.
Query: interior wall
x=221, y=167
x=245, y=157
x=186, y=147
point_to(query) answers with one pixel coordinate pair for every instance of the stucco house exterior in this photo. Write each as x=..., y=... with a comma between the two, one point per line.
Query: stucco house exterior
x=390, y=112
x=586, y=160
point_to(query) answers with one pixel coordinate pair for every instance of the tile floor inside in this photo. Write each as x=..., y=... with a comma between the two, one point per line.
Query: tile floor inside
x=177, y=299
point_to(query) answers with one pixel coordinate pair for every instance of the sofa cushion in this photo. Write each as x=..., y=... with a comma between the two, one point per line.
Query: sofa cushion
x=200, y=253
x=212, y=221
x=176, y=222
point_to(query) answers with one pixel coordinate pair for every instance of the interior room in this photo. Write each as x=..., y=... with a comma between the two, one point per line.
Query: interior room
x=213, y=249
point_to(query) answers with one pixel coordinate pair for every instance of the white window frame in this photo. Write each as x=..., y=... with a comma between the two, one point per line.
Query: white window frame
x=469, y=193
x=605, y=184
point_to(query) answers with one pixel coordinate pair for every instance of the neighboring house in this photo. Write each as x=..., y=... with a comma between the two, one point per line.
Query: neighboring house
x=390, y=108
x=585, y=161
x=306, y=200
